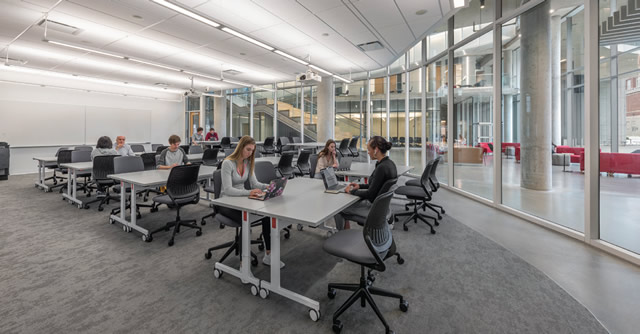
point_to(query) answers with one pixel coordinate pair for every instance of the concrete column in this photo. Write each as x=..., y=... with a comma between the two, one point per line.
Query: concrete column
x=535, y=94
x=556, y=80
x=508, y=97
x=220, y=115
x=469, y=70
x=325, y=109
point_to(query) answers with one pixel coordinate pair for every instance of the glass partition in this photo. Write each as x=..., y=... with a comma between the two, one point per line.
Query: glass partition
x=262, y=115
x=414, y=137
x=378, y=107
x=397, y=120
x=350, y=110
x=437, y=104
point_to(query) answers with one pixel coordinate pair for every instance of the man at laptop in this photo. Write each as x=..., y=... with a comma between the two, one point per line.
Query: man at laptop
x=385, y=170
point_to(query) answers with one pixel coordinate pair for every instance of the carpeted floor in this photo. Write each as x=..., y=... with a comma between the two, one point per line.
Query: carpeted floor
x=65, y=270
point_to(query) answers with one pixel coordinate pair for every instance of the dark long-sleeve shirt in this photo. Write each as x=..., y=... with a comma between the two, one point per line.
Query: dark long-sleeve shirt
x=385, y=170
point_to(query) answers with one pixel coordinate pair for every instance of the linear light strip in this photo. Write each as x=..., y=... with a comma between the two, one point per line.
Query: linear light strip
x=186, y=12
x=341, y=78
x=247, y=38
x=85, y=49
x=291, y=57
x=156, y=65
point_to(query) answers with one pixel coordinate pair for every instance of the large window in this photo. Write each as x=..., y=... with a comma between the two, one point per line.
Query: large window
x=436, y=136
x=240, y=112
x=262, y=114
x=378, y=107
x=289, y=109
x=350, y=109
x=397, y=120
x=414, y=137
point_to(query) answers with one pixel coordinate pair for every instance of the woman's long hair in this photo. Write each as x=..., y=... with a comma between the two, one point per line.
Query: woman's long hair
x=325, y=150
x=237, y=154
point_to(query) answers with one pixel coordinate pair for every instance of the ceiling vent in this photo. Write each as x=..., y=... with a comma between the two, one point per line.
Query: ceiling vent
x=60, y=27
x=371, y=46
x=231, y=72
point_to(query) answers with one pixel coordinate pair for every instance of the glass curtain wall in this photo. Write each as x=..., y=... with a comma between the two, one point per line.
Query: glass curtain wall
x=437, y=104
x=240, y=114
x=350, y=110
x=262, y=115
x=310, y=94
x=208, y=113
x=397, y=116
x=619, y=132
x=473, y=116
x=378, y=107
x=414, y=137
x=289, y=112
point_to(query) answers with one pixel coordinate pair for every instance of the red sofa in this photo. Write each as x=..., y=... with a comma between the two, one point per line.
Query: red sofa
x=623, y=163
x=485, y=147
x=575, y=152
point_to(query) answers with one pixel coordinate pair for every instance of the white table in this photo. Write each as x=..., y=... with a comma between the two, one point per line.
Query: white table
x=42, y=164
x=72, y=180
x=211, y=142
x=364, y=170
x=313, y=145
x=142, y=180
x=274, y=160
x=303, y=202
x=195, y=157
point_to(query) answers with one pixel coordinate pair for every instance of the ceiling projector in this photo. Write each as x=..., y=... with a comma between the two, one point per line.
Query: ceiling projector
x=309, y=76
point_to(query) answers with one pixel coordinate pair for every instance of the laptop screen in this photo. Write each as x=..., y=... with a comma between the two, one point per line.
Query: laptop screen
x=329, y=177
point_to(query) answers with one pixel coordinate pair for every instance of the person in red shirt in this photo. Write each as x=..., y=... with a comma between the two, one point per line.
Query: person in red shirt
x=212, y=135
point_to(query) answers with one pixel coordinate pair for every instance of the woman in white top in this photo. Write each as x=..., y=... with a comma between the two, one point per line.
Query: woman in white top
x=327, y=157
x=237, y=168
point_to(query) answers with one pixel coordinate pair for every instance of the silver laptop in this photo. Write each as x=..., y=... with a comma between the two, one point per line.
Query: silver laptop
x=331, y=184
x=344, y=163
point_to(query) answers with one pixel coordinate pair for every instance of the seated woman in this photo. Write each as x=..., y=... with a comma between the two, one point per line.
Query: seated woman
x=385, y=170
x=236, y=169
x=103, y=147
x=327, y=157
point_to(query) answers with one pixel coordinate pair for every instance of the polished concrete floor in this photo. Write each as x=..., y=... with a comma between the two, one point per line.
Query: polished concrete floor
x=607, y=286
x=563, y=205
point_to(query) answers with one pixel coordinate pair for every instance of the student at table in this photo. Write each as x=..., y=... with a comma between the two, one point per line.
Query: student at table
x=212, y=135
x=173, y=155
x=236, y=169
x=197, y=137
x=385, y=170
x=123, y=148
x=327, y=157
x=104, y=146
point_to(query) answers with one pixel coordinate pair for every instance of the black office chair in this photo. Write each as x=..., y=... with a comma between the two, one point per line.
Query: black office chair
x=419, y=195
x=313, y=162
x=195, y=149
x=149, y=162
x=226, y=221
x=83, y=148
x=210, y=157
x=161, y=148
x=154, y=147
x=265, y=172
x=82, y=155
x=285, y=167
x=353, y=146
x=343, y=149
x=369, y=249
x=103, y=166
x=64, y=156
x=234, y=142
x=182, y=189
x=284, y=147
x=389, y=185
x=54, y=167
x=267, y=147
x=128, y=164
x=296, y=140
x=302, y=164
x=186, y=148
x=434, y=184
x=137, y=148
x=225, y=143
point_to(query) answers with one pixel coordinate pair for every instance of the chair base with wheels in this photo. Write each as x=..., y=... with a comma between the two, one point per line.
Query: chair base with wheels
x=415, y=216
x=232, y=246
x=176, y=224
x=431, y=206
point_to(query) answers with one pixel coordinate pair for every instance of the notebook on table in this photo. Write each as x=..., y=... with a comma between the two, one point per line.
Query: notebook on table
x=274, y=189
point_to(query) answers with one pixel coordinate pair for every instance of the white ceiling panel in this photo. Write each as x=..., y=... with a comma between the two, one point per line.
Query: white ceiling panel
x=190, y=30
x=321, y=6
x=242, y=15
x=274, y=36
x=398, y=36
x=139, y=47
x=345, y=23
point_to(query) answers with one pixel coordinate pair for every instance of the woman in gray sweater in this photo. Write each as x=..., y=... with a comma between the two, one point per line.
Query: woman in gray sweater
x=236, y=170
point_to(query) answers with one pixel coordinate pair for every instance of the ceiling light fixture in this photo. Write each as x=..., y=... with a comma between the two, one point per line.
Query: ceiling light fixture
x=156, y=65
x=341, y=78
x=84, y=49
x=203, y=75
x=236, y=82
x=481, y=4
x=458, y=3
x=247, y=38
x=186, y=12
x=319, y=69
x=291, y=57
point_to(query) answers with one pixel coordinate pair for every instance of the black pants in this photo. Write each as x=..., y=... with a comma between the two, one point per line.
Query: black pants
x=236, y=215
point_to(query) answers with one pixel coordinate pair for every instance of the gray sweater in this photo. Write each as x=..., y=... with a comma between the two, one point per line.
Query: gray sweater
x=233, y=182
x=102, y=151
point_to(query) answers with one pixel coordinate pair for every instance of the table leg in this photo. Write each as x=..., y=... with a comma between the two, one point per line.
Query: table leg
x=244, y=274
x=274, y=284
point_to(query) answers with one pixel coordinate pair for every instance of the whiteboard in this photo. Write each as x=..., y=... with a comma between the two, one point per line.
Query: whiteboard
x=132, y=123
x=25, y=123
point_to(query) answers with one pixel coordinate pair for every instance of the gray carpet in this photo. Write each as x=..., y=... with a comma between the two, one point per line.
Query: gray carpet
x=66, y=270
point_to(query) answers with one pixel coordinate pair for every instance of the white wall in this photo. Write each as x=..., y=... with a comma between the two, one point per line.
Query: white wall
x=166, y=117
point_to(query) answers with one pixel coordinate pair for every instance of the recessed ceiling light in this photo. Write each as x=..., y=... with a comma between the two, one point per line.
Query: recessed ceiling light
x=137, y=17
x=325, y=34
x=421, y=12
x=243, y=54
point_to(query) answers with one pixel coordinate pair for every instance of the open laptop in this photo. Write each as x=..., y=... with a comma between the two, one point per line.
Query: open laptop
x=344, y=163
x=331, y=184
x=274, y=189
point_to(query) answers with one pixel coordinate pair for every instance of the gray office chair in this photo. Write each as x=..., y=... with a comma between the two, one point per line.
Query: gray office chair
x=228, y=152
x=296, y=140
x=137, y=148
x=210, y=157
x=353, y=146
x=83, y=148
x=234, y=142
x=343, y=149
x=361, y=217
x=195, y=149
x=265, y=172
x=420, y=196
x=226, y=221
x=103, y=166
x=128, y=164
x=434, y=184
x=63, y=157
x=303, y=165
x=54, y=166
x=313, y=161
x=368, y=248
x=285, y=167
x=267, y=147
x=154, y=147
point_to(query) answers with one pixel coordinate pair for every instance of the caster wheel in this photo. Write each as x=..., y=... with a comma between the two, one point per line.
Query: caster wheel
x=89, y=195
x=437, y=223
x=207, y=256
x=331, y=293
x=439, y=217
x=433, y=231
x=170, y=243
x=405, y=228
x=442, y=210
x=217, y=273
x=147, y=238
x=86, y=207
x=221, y=225
x=254, y=262
x=124, y=228
x=154, y=210
x=198, y=233
x=400, y=260
x=287, y=235
x=203, y=222
x=329, y=234
x=264, y=293
x=404, y=306
x=300, y=227
x=254, y=290
x=111, y=221
x=337, y=326
x=138, y=216
x=261, y=247
x=100, y=209
x=314, y=315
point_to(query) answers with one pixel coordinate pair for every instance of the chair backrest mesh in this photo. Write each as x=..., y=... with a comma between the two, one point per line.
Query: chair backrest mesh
x=137, y=148
x=313, y=160
x=183, y=182
x=264, y=171
x=377, y=229
x=127, y=164
x=148, y=160
x=103, y=166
